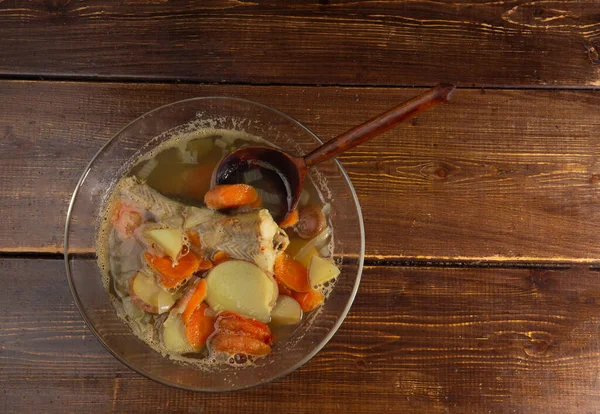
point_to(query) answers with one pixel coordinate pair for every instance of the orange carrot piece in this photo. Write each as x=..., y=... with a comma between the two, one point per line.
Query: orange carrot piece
x=230, y=195
x=238, y=344
x=291, y=273
x=194, y=238
x=204, y=264
x=220, y=257
x=290, y=220
x=237, y=324
x=195, y=300
x=199, y=326
x=309, y=300
x=170, y=275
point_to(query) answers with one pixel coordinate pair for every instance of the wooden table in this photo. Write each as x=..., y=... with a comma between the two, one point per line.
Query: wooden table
x=481, y=290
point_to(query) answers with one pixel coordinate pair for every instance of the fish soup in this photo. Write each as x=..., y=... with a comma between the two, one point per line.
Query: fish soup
x=206, y=275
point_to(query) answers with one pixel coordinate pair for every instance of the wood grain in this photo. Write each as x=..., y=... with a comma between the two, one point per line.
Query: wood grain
x=493, y=175
x=514, y=42
x=416, y=340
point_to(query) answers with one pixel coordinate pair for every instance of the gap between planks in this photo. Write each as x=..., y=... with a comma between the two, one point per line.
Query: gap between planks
x=149, y=80
x=494, y=262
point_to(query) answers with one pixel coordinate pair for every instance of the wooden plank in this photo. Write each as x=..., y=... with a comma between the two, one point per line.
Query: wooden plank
x=493, y=175
x=482, y=43
x=416, y=340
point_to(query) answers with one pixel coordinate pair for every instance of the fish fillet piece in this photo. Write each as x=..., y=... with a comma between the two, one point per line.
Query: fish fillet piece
x=163, y=209
x=252, y=236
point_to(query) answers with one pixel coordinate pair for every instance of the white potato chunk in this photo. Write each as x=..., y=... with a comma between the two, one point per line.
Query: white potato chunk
x=165, y=301
x=170, y=240
x=173, y=335
x=321, y=271
x=287, y=311
x=148, y=295
x=241, y=287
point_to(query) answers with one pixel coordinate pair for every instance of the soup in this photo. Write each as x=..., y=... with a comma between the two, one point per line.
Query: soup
x=206, y=275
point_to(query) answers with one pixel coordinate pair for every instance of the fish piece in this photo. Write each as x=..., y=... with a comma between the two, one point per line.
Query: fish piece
x=252, y=236
x=163, y=209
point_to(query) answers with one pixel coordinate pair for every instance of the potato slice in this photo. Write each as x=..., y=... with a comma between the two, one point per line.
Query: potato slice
x=305, y=256
x=148, y=295
x=321, y=271
x=287, y=311
x=170, y=240
x=241, y=287
x=165, y=301
x=173, y=335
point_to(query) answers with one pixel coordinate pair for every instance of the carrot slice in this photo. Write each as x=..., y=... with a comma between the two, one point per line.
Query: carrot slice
x=220, y=257
x=237, y=324
x=230, y=195
x=238, y=344
x=195, y=300
x=291, y=273
x=172, y=275
x=204, y=264
x=199, y=326
x=290, y=220
x=194, y=238
x=309, y=300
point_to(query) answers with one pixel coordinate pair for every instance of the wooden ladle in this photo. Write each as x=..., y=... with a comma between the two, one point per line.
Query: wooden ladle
x=291, y=170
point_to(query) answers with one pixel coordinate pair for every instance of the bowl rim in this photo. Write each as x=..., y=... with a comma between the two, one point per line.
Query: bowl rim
x=143, y=372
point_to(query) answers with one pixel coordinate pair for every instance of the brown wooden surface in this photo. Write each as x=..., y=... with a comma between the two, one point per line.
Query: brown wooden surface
x=498, y=191
x=417, y=339
x=515, y=42
x=507, y=175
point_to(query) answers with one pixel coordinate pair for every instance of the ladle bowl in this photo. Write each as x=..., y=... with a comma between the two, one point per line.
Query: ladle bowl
x=290, y=170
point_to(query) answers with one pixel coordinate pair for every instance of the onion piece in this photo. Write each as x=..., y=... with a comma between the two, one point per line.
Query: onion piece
x=252, y=176
x=315, y=243
x=304, y=198
x=311, y=221
x=146, y=170
x=220, y=143
x=268, y=198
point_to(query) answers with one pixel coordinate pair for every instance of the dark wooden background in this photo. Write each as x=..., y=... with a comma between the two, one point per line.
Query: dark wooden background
x=481, y=291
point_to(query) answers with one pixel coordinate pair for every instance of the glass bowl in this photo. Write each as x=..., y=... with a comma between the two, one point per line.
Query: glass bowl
x=113, y=160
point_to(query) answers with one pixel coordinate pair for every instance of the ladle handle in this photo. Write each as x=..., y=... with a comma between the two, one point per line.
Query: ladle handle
x=380, y=124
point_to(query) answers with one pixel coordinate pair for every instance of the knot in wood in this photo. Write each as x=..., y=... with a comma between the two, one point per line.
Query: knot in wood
x=539, y=343
x=592, y=52
x=438, y=170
